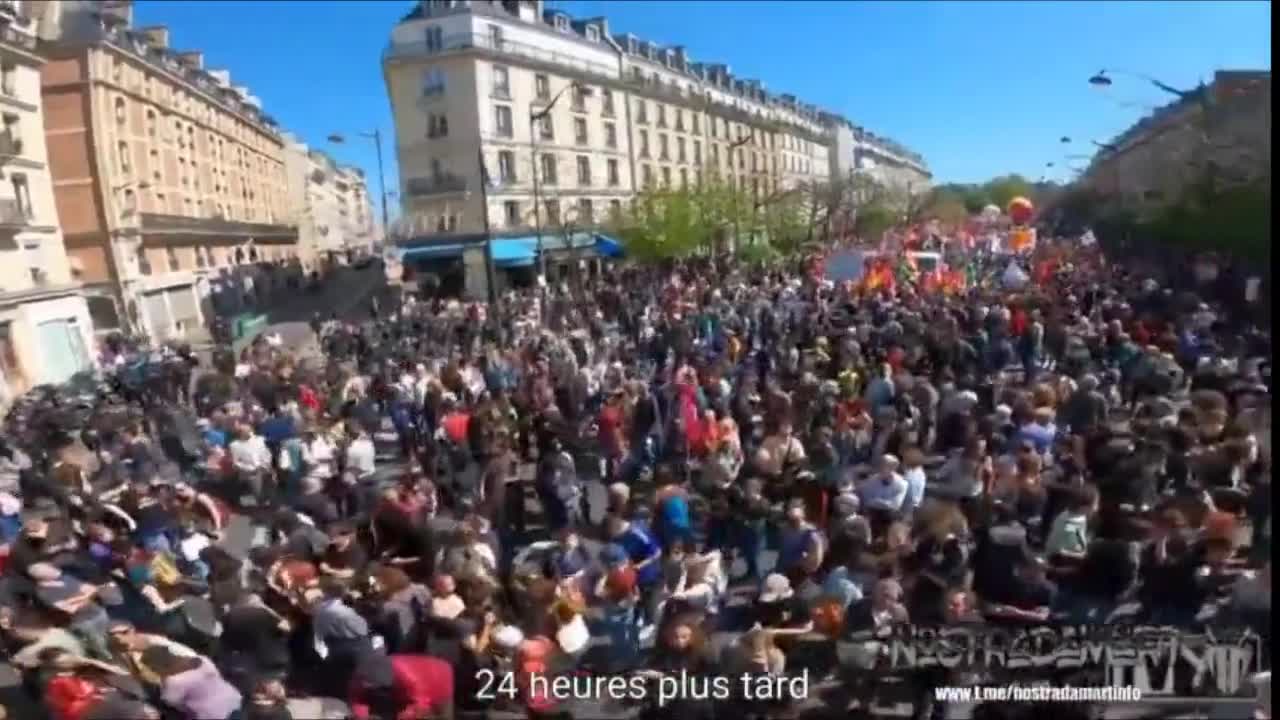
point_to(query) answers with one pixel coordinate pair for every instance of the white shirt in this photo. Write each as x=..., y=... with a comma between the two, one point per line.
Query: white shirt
x=319, y=456
x=250, y=455
x=884, y=493
x=915, y=479
x=360, y=458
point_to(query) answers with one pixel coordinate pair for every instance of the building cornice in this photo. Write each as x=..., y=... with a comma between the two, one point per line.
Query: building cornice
x=38, y=293
x=414, y=53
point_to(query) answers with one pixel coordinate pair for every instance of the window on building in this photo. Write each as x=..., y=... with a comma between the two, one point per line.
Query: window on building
x=666, y=177
x=606, y=101
x=437, y=125
x=642, y=111
x=453, y=222
x=610, y=135
x=644, y=143
x=614, y=179
x=693, y=123
x=122, y=158
x=22, y=195
x=511, y=213
x=579, y=101
x=584, y=171
x=580, y=131
x=680, y=156
x=586, y=212
x=144, y=264
x=615, y=209
x=546, y=130
x=171, y=257
x=553, y=211
x=664, y=152
x=130, y=205
x=593, y=33
x=647, y=175
x=433, y=82
x=502, y=120
x=662, y=115
x=542, y=87
x=742, y=159
x=495, y=37
x=697, y=152
x=548, y=163
x=679, y=119
x=121, y=116
x=8, y=77
x=151, y=123
x=715, y=154
x=501, y=82
x=435, y=38
x=506, y=166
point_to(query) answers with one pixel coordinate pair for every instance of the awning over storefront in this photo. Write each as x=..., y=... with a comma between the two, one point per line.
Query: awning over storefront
x=430, y=252
x=608, y=247
x=514, y=252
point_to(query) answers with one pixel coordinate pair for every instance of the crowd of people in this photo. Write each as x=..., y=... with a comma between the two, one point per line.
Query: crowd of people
x=707, y=468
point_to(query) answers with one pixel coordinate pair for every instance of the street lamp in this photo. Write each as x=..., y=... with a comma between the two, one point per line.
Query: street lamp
x=376, y=137
x=743, y=140
x=534, y=118
x=1103, y=80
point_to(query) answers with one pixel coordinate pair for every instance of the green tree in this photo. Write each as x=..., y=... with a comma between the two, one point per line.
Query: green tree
x=1001, y=190
x=872, y=222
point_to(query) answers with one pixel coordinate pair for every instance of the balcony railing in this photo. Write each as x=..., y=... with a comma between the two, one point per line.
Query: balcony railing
x=477, y=41
x=158, y=224
x=137, y=44
x=13, y=215
x=439, y=185
x=9, y=35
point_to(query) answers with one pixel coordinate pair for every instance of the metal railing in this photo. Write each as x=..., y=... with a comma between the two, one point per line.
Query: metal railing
x=178, y=224
x=478, y=41
x=441, y=184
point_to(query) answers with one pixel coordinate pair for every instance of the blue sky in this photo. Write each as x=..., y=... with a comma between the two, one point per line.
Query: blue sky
x=979, y=88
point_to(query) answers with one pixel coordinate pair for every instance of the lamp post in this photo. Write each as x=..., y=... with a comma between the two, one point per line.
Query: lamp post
x=1103, y=80
x=376, y=136
x=534, y=117
x=734, y=146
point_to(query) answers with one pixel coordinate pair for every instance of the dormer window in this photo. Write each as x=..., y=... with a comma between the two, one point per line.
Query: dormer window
x=593, y=33
x=632, y=46
x=666, y=58
x=562, y=22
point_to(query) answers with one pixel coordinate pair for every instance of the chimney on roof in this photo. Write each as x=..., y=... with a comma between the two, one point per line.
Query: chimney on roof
x=192, y=59
x=602, y=23
x=157, y=36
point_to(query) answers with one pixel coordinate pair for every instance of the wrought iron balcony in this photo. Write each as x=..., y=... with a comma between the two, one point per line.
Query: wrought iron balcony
x=477, y=41
x=443, y=184
x=157, y=224
x=10, y=36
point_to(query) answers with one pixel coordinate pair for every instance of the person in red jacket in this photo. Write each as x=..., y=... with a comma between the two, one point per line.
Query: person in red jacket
x=422, y=689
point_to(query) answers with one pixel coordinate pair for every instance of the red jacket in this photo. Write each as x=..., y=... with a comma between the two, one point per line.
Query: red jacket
x=70, y=698
x=422, y=683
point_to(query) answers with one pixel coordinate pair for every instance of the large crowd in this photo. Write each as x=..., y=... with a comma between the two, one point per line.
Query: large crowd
x=706, y=468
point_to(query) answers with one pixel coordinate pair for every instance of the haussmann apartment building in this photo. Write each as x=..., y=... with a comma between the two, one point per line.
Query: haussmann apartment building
x=583, y=118
x=169, y=178
x=45, y=331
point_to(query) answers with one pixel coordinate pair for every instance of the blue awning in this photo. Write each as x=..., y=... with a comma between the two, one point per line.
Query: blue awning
x=513, y=252
x=428, y=252
x=608, y=246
